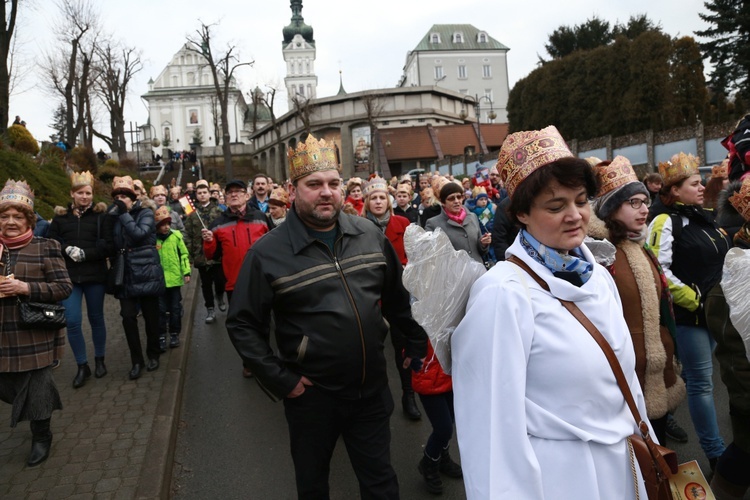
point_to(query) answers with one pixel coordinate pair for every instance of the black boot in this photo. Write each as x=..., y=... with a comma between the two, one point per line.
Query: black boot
x=100, y=370
x=430, y=469
x=41, y=440
x=448, y=466
x=409, y=404
x=84, y=372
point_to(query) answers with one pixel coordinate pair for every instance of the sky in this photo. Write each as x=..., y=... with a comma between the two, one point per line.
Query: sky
x=367, y=42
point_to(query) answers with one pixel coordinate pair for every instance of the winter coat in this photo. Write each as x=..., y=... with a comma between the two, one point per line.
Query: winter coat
x=410, y=213
x=193, y=238
x=41, y=265
x=134, y=236
x=503, y=230
x=464, y=236
x=233, y=237
x=394, y=231
x=173, y=255
x=431, y=379
x=87, y=233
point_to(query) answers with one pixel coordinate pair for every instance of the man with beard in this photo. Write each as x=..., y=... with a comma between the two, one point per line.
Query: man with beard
x=261, y=191
x=330, y=279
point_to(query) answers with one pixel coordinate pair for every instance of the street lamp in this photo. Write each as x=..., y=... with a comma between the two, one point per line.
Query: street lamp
x=477, y=113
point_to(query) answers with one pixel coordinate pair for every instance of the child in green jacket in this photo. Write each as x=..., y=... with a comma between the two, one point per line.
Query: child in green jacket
x=176, y=264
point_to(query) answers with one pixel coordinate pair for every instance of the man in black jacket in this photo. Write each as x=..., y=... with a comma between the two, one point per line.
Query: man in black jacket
x=329, y=279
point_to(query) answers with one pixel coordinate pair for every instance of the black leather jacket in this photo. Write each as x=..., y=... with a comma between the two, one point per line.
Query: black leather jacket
x=328, y=308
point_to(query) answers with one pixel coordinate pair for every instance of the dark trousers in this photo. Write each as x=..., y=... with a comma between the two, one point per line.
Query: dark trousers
x=399, y=344
x=439, y=409
x=316, y=419
x=170, y=311
x=129, y=312
x=212, y=282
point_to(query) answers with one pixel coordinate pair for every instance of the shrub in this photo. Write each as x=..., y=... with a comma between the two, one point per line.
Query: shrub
x=83, y=158
x=20, y=139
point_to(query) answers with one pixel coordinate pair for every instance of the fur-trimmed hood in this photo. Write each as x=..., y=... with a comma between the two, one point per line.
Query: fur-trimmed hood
x=597, y=229
x=97, y=208
x=148, y=203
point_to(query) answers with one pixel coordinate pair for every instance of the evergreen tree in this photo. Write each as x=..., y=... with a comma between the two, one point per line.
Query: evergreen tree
x=729, y=46
x=58, y=124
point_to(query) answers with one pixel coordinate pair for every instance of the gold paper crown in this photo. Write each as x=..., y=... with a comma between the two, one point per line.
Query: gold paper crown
x=123, y=184
x=162, y=214
x=406, y=188
x=279, y=195
x=17, y=192
x=679, y=167
x=525, y=152
x=722, y=170
x=201, y=182
x=157, y=190
x=615, y=175
x=375, y=184
x=311, y=156
x=80, y=179
x=437, y=183
x=215, y=187
x=741, y=200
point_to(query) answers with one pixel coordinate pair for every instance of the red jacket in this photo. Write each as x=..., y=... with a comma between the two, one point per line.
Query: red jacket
x=233, y=237
x=394, y=231
x=431, y=379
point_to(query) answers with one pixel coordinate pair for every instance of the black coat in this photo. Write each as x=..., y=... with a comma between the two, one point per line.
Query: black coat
x=85, y=232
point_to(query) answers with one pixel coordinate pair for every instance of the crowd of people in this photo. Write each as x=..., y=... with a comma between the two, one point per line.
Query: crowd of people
x=317, y=261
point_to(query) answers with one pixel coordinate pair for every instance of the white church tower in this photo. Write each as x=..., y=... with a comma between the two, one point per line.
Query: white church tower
x=298, y=48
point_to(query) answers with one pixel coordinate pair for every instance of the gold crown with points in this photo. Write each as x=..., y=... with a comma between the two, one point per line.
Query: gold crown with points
x=313, y=155
x=721, y=170
x=17, y=192
x=80, y=179
x=741, y=200
x=375, y=184
x=679, y=167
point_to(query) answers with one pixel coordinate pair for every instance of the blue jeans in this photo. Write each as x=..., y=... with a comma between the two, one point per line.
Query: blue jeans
x=695, y=348
x=439, y=409
x=170, y=311
x=94, y=293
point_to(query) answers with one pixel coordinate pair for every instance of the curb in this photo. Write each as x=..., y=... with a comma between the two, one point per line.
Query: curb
x=155, y=479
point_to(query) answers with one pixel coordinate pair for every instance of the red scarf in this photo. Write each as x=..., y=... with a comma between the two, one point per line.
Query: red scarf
x=457, y=218
x=18, y=241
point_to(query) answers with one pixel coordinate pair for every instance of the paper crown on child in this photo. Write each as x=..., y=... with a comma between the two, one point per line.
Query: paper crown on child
x=679, y=167
x=523, y=153
x=123, y=185
x=17, y=193
x=162, y=214
x=741, y=199
x=313, y=155
x=81, y=179
x=279, y=196
x=157, y=190
x=375, y=184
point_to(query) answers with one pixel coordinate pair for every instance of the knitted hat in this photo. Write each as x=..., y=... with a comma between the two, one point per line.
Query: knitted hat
x=81, y=179
x=741, y=199
x=523, y=153
x=311, y=156
x=162, y=214
x=279, y=196
x=123, y=185
x=450, y=188
x=679, y=167
x=17, y=193
x=617, y=183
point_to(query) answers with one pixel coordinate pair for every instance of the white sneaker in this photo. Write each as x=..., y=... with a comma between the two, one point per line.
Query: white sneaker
x=210, y=316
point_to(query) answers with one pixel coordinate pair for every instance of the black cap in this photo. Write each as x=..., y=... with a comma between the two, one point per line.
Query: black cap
x=235, y=183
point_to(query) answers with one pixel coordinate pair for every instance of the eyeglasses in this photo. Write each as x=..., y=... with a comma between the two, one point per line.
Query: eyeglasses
x=454, y=197
x=637, y=202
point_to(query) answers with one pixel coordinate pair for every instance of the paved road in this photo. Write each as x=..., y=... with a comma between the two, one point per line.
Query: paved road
x=233, y=442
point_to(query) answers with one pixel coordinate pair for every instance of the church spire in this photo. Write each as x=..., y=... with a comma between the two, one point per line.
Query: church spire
x=341, y=85
x=298, y=26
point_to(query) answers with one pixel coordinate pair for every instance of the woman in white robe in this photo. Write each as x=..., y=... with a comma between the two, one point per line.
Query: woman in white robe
x=539, y=413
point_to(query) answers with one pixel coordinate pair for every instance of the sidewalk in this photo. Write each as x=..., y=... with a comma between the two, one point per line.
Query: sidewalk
x=114, y=437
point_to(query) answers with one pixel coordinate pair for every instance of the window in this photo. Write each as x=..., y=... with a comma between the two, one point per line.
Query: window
x=420, y=120
x=482, y=38
x=439, y=72
x=404, y=122
x=435, y=38
x=301, y=90
x=487, y=71
x=294, y=90
x=458, y=38
x=386, y=123
x=462, y=72
x=488, y=94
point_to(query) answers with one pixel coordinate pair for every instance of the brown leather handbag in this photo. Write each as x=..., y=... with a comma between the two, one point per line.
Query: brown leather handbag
x=657, y=463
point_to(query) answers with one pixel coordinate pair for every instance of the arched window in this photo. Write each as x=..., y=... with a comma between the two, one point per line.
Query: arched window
x=482, y=38
x=435, y=38
x=458, y=37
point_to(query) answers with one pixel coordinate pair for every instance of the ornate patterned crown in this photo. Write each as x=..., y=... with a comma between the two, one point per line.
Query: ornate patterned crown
x=122, y=185
x=280, y=196
x=162, y=214
x=615, y=175
x=80, y=179
x=17, y=192
x=525, y=152
x=157, y=190
x=741, y=200
x=311, y=156
x=375, y=184
x=679, y=167
x=721, y=170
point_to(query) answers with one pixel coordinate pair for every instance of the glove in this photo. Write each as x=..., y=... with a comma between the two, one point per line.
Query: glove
x=76, y=254
x=415, y=365
x=118, y=208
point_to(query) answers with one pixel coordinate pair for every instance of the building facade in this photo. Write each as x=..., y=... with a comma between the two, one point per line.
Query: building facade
x=298, y=49
x=465, y=59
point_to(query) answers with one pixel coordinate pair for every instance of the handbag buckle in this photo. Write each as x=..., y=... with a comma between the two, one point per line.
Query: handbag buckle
x=49, y=314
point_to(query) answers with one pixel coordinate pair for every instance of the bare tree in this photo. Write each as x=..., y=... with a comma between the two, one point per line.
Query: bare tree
x=373, y=109
x=6, y=46
x=222, y=67
x=115, y=67
x=305, y=111
x=268, y=99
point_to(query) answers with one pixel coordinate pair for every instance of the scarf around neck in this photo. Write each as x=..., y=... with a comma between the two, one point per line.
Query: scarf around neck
x=569, y=266
x=456, y=218
x=17, y=242
x=381, y=222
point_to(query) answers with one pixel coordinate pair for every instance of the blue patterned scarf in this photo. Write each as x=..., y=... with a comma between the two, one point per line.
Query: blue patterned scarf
x=570, y=266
